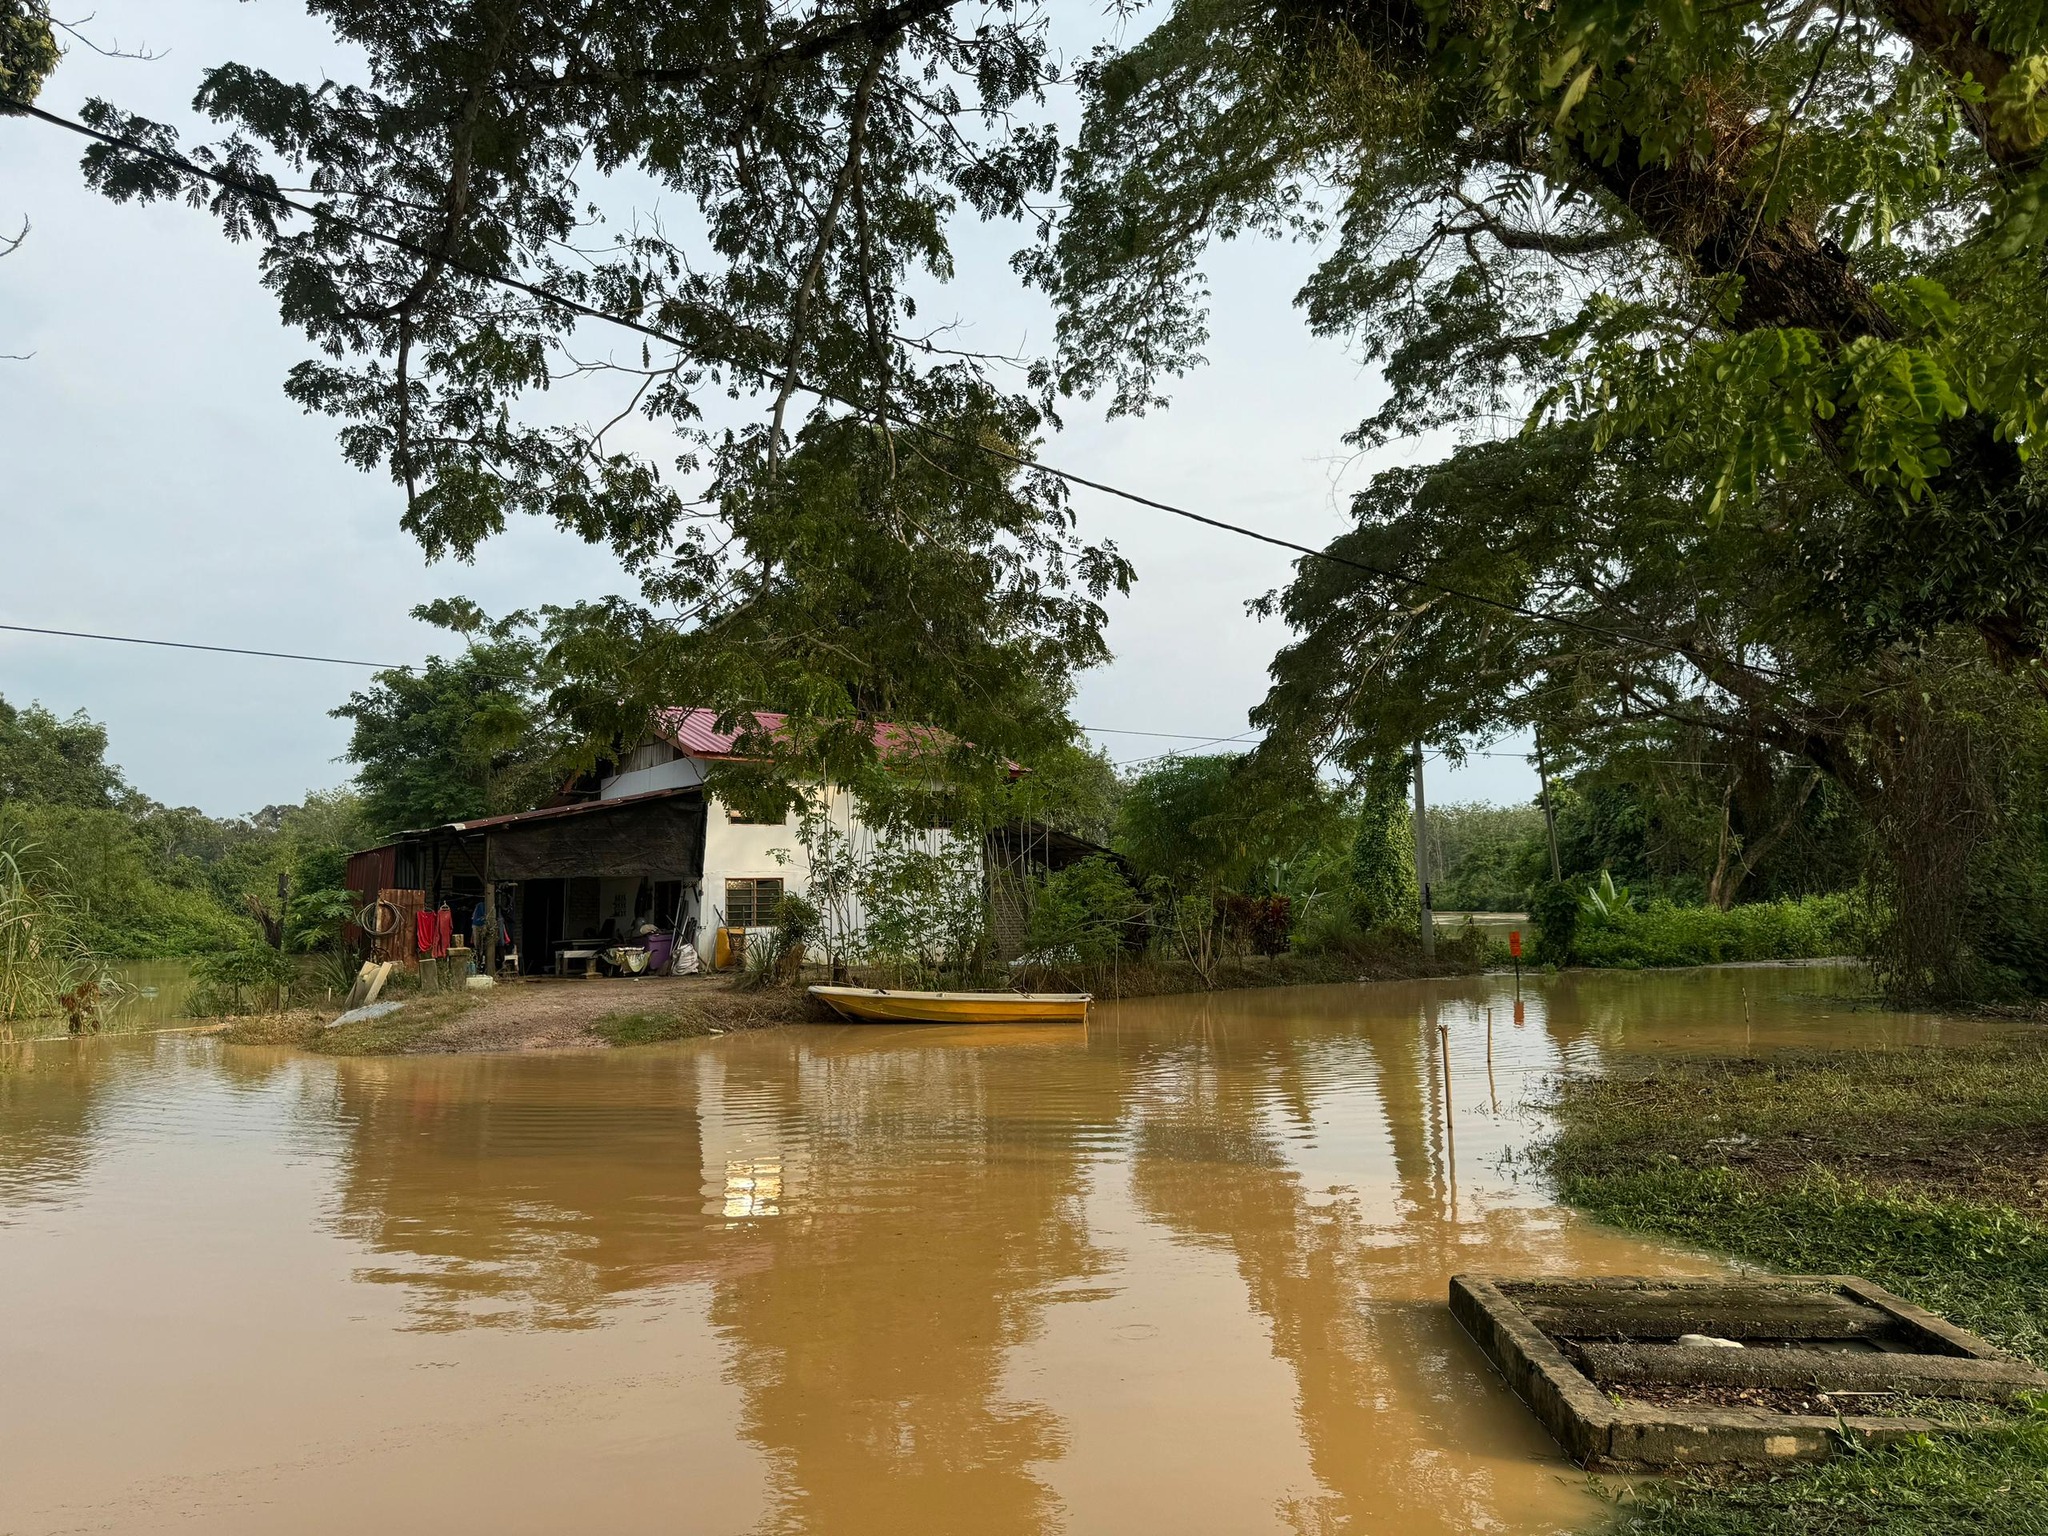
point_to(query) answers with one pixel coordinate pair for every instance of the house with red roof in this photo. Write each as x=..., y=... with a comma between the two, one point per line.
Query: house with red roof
x=646, y=853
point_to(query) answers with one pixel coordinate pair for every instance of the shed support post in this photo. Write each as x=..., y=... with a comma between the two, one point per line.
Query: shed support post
x=489, y=948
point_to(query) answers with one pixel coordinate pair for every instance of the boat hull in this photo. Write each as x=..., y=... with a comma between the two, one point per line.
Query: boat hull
x=872, y=1005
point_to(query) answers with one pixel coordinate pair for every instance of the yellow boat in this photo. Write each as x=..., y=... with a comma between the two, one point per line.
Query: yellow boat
x=874, y=1005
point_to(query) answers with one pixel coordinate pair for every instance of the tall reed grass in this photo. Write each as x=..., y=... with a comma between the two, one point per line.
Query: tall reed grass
x=46, y=967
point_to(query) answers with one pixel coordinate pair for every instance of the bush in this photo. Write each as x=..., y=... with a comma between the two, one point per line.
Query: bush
x=1556, y=913
x=1667, y=934
x=1260, y=923
x=242, y=979
x=1087, y=912
x=779, y=955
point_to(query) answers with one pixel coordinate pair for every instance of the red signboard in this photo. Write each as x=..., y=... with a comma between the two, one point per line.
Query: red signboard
x=1515, y=942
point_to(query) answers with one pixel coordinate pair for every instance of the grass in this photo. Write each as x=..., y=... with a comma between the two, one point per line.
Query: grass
x=1992, y=1482
x=653, y=1028
x=1664, y=934
x=390, y=1034
x=1921, y=1169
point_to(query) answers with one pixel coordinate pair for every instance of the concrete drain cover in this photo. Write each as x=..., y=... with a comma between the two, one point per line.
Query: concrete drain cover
x=1633, y=1373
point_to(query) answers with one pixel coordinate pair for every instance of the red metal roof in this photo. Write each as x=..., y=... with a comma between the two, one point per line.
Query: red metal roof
x=695, y=733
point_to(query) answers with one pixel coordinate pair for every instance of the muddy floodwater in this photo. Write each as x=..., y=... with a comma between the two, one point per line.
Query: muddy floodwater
x=1182, y=1271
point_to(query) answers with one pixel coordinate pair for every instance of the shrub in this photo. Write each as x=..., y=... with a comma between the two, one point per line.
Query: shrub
x=1556, y=913
x=1260, y=923
x=1087, y=911
x=779, y=956
x=263, y=973
x=46, y=966
x=1667, y=934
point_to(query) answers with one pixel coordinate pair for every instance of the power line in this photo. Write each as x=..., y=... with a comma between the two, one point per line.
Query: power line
x=191, y=645
x=269, y=193
x=1197, y=738
x=1110, y=730
x=396, y=666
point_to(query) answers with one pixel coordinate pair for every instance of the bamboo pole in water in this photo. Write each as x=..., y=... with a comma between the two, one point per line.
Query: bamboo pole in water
x=1443, y=1040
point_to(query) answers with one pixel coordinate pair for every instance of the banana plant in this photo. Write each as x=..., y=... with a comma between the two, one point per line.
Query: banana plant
x=1606, y=900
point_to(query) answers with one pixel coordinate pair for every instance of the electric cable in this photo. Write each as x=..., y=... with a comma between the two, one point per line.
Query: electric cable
x=269, y=193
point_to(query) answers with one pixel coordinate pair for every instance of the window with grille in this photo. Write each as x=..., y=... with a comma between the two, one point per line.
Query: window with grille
x=752, y=903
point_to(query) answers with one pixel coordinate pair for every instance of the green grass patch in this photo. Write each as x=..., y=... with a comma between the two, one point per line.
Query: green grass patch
x=1993, y=1482
x=1981, y=1266
x=653, y=1028
x=386, y=1036
x=1918, y=1168
x=1665, y=934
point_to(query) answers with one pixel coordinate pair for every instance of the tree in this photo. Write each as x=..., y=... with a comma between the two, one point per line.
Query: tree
x=873, y=522
x=28, y=48
x=45, y=760
x=1780, y=240
x=1189, y=822
x=1385, y=890
x=1480, y=855
x=1627, y=631
x=467, y=736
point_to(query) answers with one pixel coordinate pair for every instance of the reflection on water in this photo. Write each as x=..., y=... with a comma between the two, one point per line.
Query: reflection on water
x=1183, y=1271
x=146, y=995
x=152, y=993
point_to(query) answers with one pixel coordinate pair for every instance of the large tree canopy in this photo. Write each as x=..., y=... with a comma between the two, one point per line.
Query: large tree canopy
x=454, y=264
x=1766, y=233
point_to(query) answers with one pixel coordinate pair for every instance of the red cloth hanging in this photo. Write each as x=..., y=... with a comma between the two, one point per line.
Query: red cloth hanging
x=426, y=928
x=444, y=931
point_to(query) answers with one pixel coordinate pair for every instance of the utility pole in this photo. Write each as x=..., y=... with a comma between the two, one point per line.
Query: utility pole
x=1428, y=921
x=284, y=897
x=1549, y=816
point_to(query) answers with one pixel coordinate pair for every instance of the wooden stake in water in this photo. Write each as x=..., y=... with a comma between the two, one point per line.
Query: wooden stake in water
x=1492, y=1092
x=1443, y=1040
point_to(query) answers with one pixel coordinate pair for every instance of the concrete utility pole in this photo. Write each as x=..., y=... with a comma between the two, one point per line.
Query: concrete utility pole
x=1422, y=861
x=1549, y=816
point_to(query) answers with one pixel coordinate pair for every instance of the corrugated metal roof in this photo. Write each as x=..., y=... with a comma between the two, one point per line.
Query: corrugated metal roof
x=695, y=733
x=548, y=813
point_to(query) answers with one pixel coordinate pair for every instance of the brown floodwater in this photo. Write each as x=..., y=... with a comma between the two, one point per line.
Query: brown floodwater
x=1182, y=1271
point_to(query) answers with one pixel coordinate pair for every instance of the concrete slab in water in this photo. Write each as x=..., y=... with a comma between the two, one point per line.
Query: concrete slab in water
x=1576, y=1351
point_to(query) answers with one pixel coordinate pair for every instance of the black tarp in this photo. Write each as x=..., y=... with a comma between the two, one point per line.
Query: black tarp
x=657, y=838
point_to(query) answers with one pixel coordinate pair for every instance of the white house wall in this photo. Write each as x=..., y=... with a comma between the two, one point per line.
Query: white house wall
x=737, y=850
x=751, y=851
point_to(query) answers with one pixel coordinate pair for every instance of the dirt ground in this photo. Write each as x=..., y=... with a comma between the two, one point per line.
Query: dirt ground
x=540, y=1015
x=547, y=1014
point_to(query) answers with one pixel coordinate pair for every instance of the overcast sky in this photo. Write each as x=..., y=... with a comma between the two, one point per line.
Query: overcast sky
x=159, y=483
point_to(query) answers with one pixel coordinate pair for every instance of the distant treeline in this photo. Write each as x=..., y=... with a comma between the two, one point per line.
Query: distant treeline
x=144, y=879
